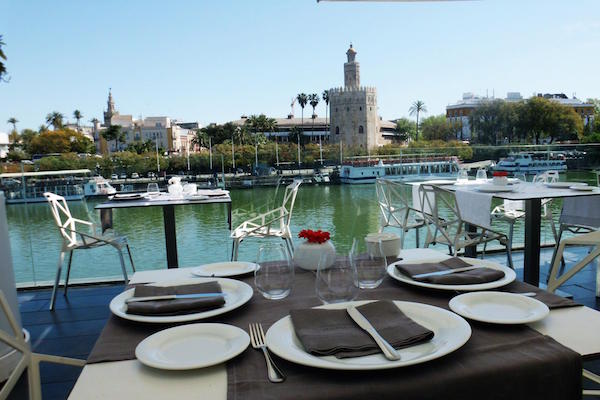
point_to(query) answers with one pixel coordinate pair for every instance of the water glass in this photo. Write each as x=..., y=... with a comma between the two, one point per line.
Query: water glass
x=521, y=177
x=463, y=176
x=481, y=175
x=274, y=276
x=371, y=266
x=153, y=189
x=338, y=282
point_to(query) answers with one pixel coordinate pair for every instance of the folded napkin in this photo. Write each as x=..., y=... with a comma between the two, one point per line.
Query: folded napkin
x=333, y=332
x=474, y=276
x=178, y=306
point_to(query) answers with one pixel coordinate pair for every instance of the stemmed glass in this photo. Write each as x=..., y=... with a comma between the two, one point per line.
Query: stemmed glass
x=370, y=264
x=481, y=175
x=521, y=177
x=274, y=276
x=153, y=189
x=337, y=282
x=463, y=176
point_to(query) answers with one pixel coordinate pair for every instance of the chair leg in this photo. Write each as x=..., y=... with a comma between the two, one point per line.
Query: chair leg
x=509, y=259
x=61, y=258
x=130, y=258
x=557, y=243
x=417, y=238
x=35, y=383
x=122, y=259
x=234, y=250
x=68, y=271
x=554, y=282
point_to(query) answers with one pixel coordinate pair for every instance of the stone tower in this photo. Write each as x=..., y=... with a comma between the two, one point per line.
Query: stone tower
x=353, y=109
x=110, y=109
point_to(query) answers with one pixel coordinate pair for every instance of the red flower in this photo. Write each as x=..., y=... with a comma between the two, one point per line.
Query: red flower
x=314, y=236
x=500, y=173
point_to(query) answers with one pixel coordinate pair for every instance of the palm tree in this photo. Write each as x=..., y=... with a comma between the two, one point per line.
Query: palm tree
x=417, y=108
x=77, y=115
x=2, y=57
x=55, y=119
x=314, y=101
x=325, y=97
x=13, y=121
x=302, y=100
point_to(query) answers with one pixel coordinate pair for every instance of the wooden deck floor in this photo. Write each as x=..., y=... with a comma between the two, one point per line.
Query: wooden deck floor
x=72, y=329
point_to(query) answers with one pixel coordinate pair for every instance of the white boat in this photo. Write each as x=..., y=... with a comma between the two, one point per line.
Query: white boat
x=98, y=186
x=406, y=169
x=529, y=162
x=29, y=187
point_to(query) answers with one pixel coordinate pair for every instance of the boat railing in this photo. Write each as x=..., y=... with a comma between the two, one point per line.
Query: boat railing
x=399, y=159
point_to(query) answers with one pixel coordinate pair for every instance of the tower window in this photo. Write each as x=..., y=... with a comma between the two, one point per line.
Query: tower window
x=361, y=129
x=347, y=108
x=336, y=109
x=359, y=108
x=337, y=130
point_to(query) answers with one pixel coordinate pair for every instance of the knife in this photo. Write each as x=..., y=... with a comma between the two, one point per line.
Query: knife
x=173, y=297
x=388, y=351
x=446, y=271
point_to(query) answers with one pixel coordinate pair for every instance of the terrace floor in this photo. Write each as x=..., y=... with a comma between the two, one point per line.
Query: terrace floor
x=72, y=329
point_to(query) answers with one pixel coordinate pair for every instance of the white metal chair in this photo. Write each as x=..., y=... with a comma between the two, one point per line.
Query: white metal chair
x=450, y=227
x=273, y=223
x=512, y=210
x=28, y=360
x=74, y=239
x=395, y=203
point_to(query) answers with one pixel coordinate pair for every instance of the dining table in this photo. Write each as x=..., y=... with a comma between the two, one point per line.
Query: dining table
x=532, y=195
x=167, y=203
x=516, y=361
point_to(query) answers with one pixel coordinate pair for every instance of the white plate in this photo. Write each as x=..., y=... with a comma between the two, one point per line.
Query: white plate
x=228, y=268
x=509, y=275
x=450, y=333
x=583, y=188
x=499, y=307
x=563, y=185
x=195, y=197
x=441, y=182
x=192, y=346
x=494, y=188
x=236, y=294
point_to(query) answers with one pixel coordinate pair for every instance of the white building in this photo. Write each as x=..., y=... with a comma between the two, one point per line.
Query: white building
x=172, y=136
x=3, y=144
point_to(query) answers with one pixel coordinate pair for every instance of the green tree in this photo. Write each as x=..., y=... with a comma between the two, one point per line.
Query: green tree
x=140, y=147
x=13, y=121
x=55, y=119
x=405, y=129
x=325, y=96
x=302, y=100
x=77, y=115
x=437, y=128
x=115, y=133
x=59, y=141
x=543, y=118
x=2, y=57
x=27, y=136
x=417, y=108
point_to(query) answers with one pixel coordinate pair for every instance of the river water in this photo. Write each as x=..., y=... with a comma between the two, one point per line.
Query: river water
x=346, y=211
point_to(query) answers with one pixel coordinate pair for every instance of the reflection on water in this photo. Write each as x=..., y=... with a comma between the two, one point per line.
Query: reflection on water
x=346, y=211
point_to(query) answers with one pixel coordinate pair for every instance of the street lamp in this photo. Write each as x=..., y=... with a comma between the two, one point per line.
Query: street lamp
x=237, y=130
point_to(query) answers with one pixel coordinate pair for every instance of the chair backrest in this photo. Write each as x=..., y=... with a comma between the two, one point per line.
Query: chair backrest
x=287, y=205
x=394, y=202
x=444, y=212
x=581, y=211
x=546, y=177
x=62, y=217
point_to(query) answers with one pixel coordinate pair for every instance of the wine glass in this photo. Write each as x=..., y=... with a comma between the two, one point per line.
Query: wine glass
x=153, y=189
x=337, y=282
x=481, y=175
x=463, y=176
x=521, y=177
x=370, y=263
x=274, y=276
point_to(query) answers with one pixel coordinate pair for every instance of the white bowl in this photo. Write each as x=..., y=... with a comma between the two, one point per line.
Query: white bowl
x=390, y=244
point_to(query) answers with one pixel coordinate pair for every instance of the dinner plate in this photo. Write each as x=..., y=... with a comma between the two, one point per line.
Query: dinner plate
x=509, y=275
x=195, y=197
x=450, y=330
x=441, y=182
x=583, y=188
x=564, y=185
x=494, y=188
x=222, y=269
x=213, y=192
x=192, y=346
x=237, y=293
x=499, y=307
x=127, y=196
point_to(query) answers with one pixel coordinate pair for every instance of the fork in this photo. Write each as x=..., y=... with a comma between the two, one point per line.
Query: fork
x=257, y=338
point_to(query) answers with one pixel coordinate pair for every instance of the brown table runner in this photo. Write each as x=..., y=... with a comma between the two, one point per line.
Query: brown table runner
x=497, y=362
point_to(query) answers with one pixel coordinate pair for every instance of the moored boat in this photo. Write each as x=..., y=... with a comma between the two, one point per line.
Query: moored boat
x=530, y=162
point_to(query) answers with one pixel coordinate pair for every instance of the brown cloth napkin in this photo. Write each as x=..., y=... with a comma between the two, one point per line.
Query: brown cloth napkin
x=474, y=276
x=333, y=332
x=178, y=306
x=550, y=299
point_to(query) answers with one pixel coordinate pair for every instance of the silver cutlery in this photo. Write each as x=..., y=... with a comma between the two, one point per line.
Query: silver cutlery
x=173, y=297
x=388, y=351
x=257, y=338
x=446, y=271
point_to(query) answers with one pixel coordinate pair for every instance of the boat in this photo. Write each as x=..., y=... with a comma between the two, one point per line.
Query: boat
x=29, y=187
x=98, y=186
x=406, y=169
x=532, y=162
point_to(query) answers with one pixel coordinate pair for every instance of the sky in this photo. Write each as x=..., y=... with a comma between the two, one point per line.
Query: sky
x=214, y=60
